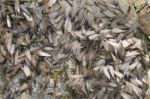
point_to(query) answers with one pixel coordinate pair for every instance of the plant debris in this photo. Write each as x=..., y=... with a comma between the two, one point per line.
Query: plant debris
x=74, y=49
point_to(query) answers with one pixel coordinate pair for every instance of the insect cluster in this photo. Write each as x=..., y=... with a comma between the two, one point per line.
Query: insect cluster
x=72, y=49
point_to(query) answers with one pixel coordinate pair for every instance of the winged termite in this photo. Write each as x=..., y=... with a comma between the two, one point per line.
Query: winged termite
x=125, y=95
x=41, y=53
x=26, y=70
x=94, y=37
x=17, y=6
x=8, y=21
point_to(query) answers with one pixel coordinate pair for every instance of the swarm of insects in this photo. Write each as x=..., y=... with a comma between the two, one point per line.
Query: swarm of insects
x=73, y=49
